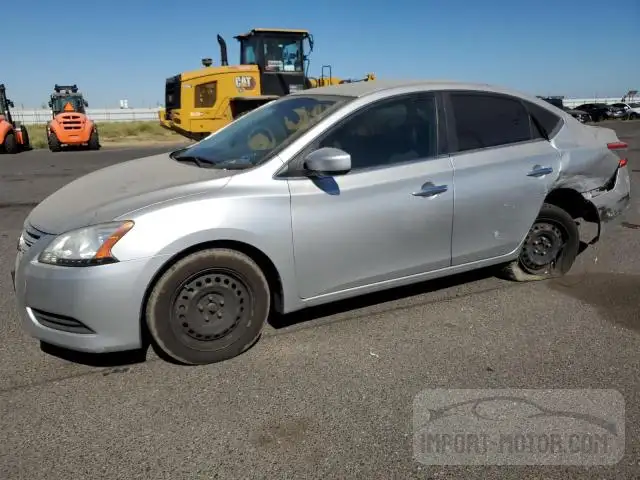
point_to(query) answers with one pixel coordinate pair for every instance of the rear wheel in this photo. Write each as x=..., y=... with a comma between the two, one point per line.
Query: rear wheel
x=26, y=141
x=10, y=144
x=550, y=248
x=208, y=307
x=94, y=141
x=54, y=143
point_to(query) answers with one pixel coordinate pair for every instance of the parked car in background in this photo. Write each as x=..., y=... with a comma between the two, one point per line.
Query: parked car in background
x=597, y=111
x=617, y=112
x=557, y=102
x=579, y=115
x=631, y=110
x=321, y=195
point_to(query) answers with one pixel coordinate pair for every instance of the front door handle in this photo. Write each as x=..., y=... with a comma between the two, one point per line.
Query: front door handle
x=539, y=171
x=430, y=190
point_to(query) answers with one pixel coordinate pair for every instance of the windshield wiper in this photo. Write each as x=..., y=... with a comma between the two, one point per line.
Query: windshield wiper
x=207, y=163
x=234, y=166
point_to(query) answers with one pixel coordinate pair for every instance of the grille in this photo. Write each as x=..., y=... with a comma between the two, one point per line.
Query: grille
x=71, y=122
x=60, y=322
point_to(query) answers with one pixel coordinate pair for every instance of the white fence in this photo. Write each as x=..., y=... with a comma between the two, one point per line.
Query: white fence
x=32, y=117
x=574, y=102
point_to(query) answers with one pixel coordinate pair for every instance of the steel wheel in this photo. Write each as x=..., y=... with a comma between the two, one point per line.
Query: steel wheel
x=208, y=307
x=549, y=249
x=542, y=248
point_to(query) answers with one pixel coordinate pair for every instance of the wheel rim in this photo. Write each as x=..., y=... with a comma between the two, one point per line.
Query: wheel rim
x=542, y=247
x=208, y=307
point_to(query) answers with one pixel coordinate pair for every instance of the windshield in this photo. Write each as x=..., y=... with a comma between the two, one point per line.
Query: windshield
x=283, y=55
x=251, y=139
x=59, y=103
x=248, y=51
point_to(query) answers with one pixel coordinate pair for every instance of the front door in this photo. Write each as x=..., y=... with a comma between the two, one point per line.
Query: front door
x=390, y=216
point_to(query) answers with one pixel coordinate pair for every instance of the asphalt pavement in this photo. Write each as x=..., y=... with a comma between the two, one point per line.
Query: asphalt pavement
x=325, y=393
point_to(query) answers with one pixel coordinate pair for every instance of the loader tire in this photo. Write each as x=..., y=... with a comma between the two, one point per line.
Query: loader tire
x=26, y=141
x=54, y=143
x=94, y=141
x=10, y=144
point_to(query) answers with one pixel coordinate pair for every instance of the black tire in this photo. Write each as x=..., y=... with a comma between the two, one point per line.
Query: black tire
x=560, y=238
x=10, y=144
x=54, y=143
x=94, y=141
x=208, y=307
x=26, y=141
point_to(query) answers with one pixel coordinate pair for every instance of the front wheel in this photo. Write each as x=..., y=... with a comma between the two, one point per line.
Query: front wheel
x=550, y=247
x=94, y=141
x=54, y=143
x=208, y=307
x=10, y=143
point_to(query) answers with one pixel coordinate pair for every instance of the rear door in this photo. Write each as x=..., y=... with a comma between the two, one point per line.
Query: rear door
x=503, y=170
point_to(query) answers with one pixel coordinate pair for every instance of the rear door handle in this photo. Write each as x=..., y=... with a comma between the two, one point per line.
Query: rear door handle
x=539, y=171
x=430, y=190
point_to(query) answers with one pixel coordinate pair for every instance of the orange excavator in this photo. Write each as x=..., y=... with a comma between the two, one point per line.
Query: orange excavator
x=14, y=138
x=70, y=125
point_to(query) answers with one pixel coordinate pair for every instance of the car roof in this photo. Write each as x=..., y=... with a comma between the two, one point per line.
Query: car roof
x=362, y=88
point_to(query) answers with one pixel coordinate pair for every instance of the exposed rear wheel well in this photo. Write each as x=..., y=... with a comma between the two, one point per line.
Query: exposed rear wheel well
x=258, y=256
x=573, y=203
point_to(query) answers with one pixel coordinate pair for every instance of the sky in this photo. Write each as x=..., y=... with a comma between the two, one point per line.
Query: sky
x=126, y=49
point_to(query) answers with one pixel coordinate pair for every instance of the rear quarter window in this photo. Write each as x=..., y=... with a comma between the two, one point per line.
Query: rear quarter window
x=548, y=120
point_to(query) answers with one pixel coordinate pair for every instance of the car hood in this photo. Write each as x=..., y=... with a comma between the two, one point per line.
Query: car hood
x=108, y=193
x=576, y=112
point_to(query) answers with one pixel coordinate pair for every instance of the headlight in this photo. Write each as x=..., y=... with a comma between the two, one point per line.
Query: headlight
x=86, y=246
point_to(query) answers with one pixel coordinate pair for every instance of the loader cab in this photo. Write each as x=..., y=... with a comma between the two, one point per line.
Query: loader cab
x=67, y=98
x=5, y=105
x=280, y=56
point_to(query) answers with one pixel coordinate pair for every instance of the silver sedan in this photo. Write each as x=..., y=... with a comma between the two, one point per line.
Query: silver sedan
x=321, y=195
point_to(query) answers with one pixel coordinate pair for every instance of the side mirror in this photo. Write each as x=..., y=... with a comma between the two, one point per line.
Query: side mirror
x=86, y=104
x=328, y=161
x=50, y=104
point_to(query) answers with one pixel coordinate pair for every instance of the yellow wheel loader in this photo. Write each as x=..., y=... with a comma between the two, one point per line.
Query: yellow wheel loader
x=273, y=63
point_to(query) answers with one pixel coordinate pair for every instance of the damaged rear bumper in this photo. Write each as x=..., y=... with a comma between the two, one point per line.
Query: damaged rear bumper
x=611, y=203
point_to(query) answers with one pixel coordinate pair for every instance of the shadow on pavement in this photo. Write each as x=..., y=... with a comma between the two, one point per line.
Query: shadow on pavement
x=116, y=359
x=613, y=295
x=372, y=299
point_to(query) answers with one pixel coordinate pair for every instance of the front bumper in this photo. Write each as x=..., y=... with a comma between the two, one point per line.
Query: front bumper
x=88, y=309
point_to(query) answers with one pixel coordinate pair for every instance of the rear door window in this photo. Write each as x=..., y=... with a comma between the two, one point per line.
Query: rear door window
x=483, y=120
